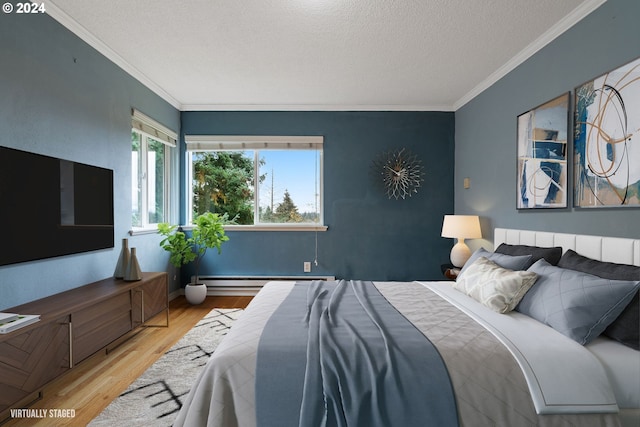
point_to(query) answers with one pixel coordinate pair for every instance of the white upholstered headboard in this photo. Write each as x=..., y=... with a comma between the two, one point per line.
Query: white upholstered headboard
x=610, y=249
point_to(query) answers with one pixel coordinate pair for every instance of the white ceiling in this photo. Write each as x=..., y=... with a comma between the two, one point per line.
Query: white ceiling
x=318, y=54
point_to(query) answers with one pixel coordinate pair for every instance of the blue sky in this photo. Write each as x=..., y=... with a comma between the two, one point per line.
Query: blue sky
x=293, y=171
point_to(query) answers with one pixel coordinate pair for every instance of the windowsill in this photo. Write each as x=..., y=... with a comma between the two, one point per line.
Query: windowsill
x=141, y=231
x=275, y=227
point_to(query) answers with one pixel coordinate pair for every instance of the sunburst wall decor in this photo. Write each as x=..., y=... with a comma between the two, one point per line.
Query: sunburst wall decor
x=400, y=172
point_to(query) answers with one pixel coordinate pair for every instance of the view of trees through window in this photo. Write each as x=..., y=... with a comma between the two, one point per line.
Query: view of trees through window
x=287, y=185
x=223, y=183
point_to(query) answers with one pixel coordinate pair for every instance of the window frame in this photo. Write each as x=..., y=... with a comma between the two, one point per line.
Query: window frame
x=201, y=143
x=147, y=128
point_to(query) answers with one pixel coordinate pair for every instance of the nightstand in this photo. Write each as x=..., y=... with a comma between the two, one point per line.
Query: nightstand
x=449, y=271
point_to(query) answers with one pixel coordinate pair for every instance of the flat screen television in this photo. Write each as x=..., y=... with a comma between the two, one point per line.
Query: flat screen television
x=51, y=207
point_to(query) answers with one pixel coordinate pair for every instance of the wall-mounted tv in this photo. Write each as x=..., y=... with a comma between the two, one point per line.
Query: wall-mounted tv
x=51, y=207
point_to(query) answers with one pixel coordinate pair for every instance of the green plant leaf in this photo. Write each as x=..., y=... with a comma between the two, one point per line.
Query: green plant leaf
x=208, y=232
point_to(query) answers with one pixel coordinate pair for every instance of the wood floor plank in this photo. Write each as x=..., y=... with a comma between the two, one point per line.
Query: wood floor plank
x=94, y=383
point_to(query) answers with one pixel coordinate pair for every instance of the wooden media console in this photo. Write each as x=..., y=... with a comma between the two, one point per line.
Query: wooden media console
x=74, y=325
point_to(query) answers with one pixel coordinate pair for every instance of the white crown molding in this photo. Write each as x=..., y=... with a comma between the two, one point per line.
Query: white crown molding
x=302, y=107
x=80, y=31
x=563, y=25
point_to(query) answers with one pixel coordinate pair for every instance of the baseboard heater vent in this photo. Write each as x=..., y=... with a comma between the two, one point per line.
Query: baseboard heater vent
x=247, y=285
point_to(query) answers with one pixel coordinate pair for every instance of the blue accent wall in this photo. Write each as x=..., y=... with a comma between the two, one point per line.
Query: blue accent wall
x=369, y=236
x=486, y=126
x=61, y=98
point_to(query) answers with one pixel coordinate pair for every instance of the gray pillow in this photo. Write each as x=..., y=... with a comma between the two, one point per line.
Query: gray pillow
x=626, y=328
x=576, y=304
x=504, y=261
x=551, y=255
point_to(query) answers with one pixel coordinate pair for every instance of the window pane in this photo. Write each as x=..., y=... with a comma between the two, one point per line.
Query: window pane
x=136, y=180
x=156, y=180
x=223, y=183
x=289, y=186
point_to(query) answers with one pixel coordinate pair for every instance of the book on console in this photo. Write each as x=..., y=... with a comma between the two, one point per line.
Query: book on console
x=20, y=322
x=7, y=317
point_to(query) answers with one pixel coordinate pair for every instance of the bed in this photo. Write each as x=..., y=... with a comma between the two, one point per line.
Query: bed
x=504, y=369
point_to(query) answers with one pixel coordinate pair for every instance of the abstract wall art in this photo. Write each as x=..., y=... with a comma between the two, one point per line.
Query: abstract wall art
x=605, y=139
x=542, y=155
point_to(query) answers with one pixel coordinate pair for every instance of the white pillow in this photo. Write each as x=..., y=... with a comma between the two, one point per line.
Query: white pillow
x=498, y=288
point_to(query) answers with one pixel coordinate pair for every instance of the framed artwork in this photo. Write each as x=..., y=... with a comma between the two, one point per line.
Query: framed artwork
x=542, y=155
x=606, y=146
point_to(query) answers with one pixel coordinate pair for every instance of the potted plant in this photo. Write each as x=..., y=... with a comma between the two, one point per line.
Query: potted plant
x=208, y=232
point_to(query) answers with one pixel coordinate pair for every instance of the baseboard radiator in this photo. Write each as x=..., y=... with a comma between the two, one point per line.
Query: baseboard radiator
x=247, y=285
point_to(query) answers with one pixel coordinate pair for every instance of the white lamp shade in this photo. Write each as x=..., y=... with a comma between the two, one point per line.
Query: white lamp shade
x=461, y=226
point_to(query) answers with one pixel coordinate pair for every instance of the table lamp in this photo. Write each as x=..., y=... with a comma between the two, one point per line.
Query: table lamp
x=461, y=227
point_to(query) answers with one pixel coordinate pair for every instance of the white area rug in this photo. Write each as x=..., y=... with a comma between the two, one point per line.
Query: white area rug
x=155, y=398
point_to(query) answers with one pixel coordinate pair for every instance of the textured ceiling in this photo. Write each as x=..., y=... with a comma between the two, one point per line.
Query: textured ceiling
x=318, y=54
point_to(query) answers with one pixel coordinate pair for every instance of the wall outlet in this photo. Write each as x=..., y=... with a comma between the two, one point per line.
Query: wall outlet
x=307, y=267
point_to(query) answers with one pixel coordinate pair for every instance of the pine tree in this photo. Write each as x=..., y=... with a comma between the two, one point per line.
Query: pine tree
x=287, y=211
x=223, y=184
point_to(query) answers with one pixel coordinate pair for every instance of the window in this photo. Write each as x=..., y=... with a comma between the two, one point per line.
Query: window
x=151, y=145
x=260, y=181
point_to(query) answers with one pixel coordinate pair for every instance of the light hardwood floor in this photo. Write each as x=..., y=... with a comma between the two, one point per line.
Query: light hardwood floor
x=94, y=383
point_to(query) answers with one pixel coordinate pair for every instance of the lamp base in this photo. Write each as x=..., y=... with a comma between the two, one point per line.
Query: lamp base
x=460, y=253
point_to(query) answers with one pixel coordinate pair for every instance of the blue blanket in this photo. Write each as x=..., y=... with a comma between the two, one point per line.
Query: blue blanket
x=338, y=354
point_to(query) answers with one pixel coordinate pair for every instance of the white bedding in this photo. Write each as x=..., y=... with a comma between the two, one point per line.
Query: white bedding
x=563, y=376
x=224, y=393
x=622, y=365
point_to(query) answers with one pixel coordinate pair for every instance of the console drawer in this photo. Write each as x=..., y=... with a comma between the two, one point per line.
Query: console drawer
x=97, y=326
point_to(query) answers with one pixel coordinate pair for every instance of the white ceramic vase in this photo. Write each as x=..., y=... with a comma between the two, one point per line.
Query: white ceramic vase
x=195, y=293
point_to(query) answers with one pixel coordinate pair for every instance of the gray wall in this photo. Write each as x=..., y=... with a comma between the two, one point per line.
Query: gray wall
x=486, y=126
x=61, y=98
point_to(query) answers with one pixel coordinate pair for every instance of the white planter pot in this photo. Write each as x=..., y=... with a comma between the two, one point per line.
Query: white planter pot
x=195, y=293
